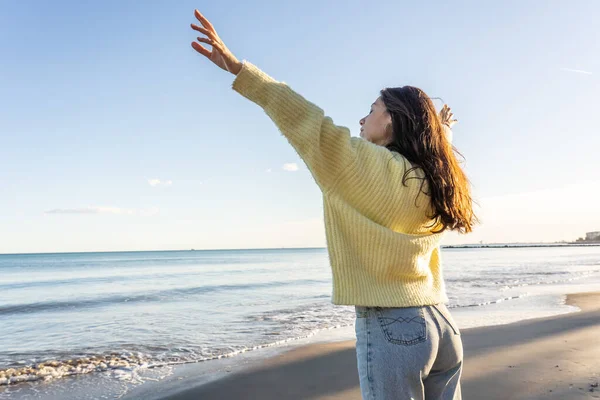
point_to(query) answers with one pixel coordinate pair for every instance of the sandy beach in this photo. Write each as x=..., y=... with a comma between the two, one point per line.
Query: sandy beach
x=545, y=358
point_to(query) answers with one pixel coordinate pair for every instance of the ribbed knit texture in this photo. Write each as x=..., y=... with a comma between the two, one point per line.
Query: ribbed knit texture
x=378, y=231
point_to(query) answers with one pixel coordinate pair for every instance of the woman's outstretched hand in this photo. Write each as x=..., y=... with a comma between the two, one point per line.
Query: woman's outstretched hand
x=220, y=54
x=446, y=116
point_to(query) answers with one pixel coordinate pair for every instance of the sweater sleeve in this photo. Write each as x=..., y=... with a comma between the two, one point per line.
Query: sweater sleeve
x=325, y=148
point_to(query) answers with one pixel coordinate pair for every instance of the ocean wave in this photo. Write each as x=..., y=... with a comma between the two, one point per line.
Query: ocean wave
x=114, y=278
x=514, y=284
x=162, y=295
x=486, y=303
x=125, y=364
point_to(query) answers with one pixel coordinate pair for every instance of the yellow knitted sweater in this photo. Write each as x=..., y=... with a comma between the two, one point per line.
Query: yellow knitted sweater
x=378, y=231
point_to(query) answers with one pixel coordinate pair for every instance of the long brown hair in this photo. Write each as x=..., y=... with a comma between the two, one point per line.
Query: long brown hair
x=418, y=135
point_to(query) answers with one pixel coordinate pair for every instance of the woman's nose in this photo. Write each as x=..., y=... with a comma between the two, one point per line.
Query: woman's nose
x=361, y=122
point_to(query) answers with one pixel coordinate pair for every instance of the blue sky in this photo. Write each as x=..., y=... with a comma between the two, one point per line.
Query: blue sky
x=117, y=135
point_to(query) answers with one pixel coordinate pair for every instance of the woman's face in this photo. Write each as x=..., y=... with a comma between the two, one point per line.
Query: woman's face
x=374, y=127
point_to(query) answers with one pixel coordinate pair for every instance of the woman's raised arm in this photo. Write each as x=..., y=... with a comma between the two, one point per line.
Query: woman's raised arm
x=326, y=149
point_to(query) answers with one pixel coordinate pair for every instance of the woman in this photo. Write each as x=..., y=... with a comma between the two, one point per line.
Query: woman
x=388, y=198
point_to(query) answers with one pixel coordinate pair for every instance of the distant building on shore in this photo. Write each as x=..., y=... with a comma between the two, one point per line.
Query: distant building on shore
x=592, y=236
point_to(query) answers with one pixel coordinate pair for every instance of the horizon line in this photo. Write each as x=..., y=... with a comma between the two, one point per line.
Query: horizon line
x=563, y=242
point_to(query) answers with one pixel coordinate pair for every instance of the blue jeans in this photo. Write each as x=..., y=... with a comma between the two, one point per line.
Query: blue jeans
x=408, y=353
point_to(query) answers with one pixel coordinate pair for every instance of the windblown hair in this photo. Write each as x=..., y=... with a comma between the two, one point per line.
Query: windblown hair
x=419, y=135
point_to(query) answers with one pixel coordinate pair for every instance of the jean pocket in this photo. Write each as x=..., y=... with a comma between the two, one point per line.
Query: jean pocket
x=443, y=311
x=404, y=325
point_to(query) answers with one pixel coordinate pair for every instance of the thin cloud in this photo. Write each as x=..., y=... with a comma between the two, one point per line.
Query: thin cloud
x=86, y=210
x=158, y=182
x=577, y=71
x=290, y=167
x=103, y=210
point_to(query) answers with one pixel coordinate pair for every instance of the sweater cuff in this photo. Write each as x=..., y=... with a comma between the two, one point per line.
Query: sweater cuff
x=250, y=81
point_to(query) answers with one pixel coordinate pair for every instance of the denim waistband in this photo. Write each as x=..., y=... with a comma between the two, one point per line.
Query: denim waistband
x=364, y=311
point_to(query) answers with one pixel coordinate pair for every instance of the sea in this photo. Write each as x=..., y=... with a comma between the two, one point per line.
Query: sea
x=106, y=325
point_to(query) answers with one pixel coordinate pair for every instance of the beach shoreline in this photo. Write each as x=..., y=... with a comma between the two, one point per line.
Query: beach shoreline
x=555, y=357
x=265, y=308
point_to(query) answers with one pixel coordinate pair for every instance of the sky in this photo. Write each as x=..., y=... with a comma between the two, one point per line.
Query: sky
x=116, y=135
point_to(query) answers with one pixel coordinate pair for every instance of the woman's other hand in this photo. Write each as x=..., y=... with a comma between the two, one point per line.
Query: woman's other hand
x=446, y=116
x=220, y=54
x=447, y=119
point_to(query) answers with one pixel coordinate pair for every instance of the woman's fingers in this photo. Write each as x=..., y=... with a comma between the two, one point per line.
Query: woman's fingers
x=203, y=20
x=205, y=40
x=447, y=115
x=216, y=45
x=208, y=30
x=202, y=30
x=219, y=54
x=201, y=49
